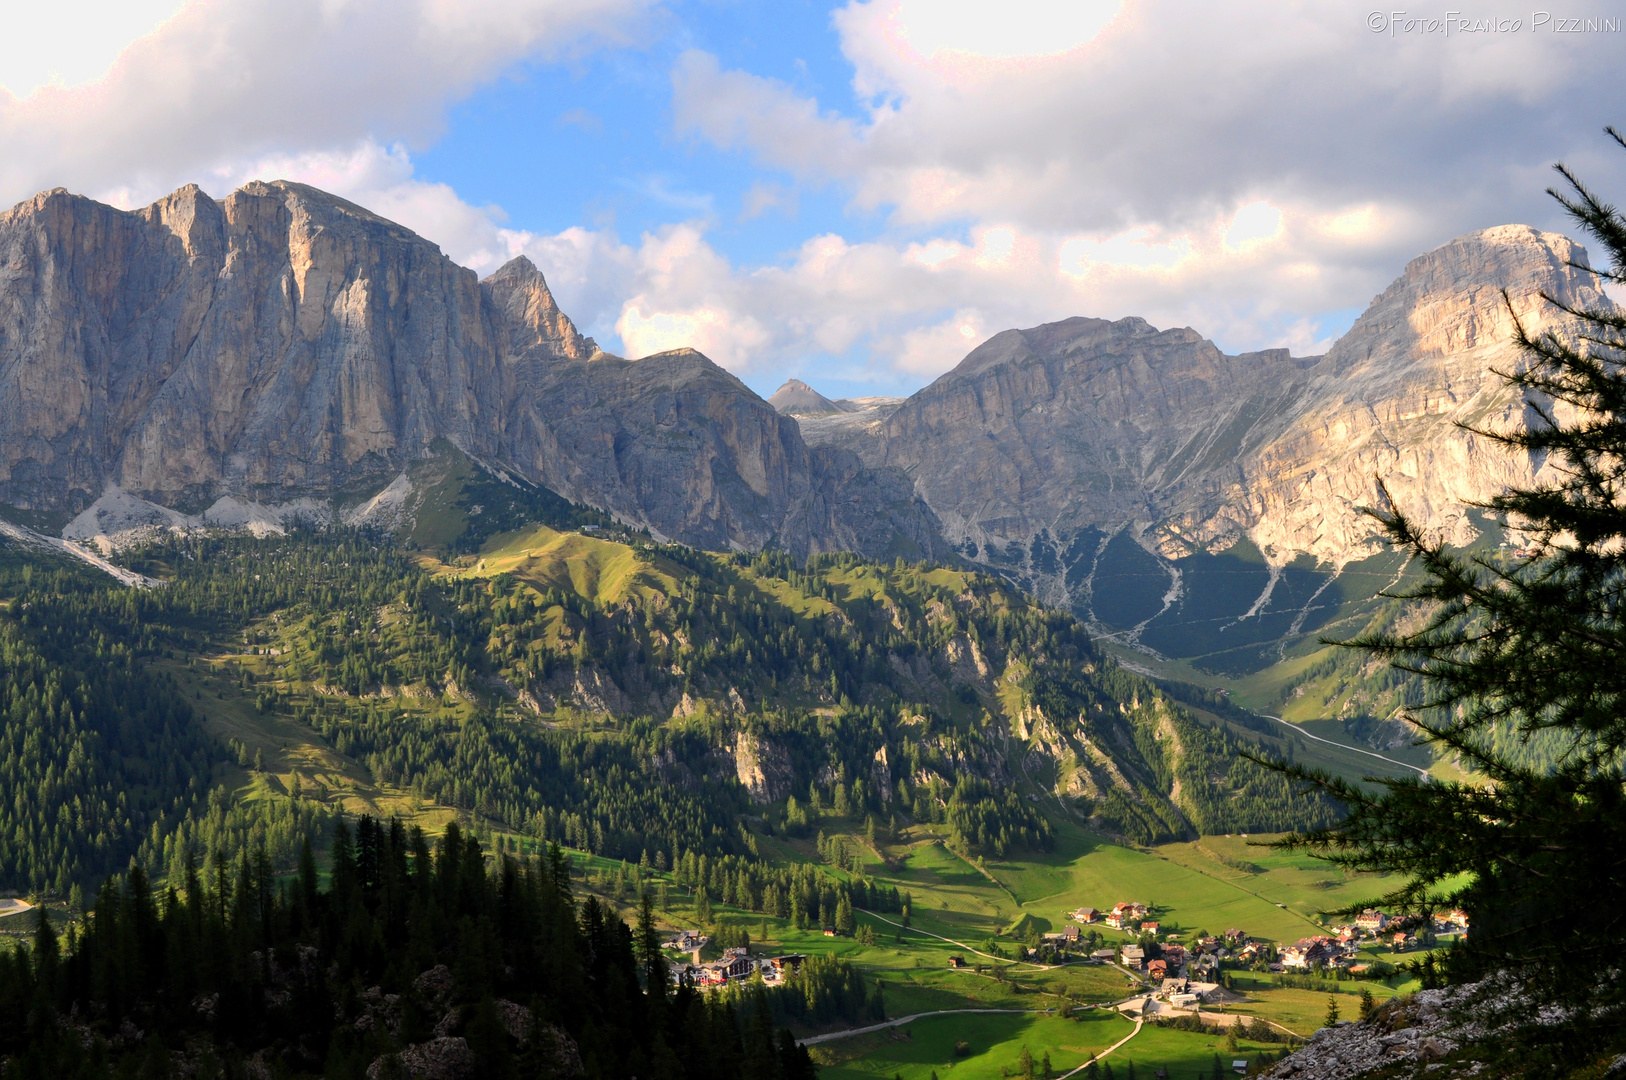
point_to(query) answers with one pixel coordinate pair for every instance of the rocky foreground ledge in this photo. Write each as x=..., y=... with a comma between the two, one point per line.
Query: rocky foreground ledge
x=1435, y=1033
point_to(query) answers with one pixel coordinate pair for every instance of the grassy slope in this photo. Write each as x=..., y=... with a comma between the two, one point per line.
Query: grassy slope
x=953, y=899
x=600, y=570
x=926, y=1046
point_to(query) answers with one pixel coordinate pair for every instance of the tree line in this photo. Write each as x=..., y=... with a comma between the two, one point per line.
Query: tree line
x=413, y=949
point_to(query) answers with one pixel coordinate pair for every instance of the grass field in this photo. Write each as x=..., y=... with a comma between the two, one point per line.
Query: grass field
x=1306, y=885
x=1302, y=1011
x=927, y=1046
x=603, y=571
x=1185, y=1055
x=1189, y=891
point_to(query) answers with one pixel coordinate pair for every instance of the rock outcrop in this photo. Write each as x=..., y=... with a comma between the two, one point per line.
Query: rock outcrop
x=763, y=768
x=1467, y=1029
x=284, y=344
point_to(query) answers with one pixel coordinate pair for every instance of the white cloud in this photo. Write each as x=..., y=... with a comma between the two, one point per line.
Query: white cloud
x=71, y=42
x=938, y=30
x=230, y=81
x=916, y=308
x=1253, y=226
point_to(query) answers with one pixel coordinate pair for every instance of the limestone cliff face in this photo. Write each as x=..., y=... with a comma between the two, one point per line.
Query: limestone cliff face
x=1078, y=423
x=280, y=340
x=283, y=343
x=1387, y=400
x=1040, y=436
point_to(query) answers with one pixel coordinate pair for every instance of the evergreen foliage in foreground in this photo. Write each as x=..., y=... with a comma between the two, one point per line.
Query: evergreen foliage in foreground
x=1537, y=856
x=493, y=968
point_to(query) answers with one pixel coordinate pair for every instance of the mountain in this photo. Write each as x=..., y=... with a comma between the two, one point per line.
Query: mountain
x=1206, y=505
x=292, y=353
x=796, y=398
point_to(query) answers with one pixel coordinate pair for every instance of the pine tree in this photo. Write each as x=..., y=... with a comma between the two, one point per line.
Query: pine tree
x=844, y=917
x=1331, y=1019
x=647, y=943
x=1518, y=649
x=1366, y=1003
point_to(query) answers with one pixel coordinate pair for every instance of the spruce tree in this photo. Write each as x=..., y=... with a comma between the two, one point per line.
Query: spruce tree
x=1515, y=649
x=844, y=917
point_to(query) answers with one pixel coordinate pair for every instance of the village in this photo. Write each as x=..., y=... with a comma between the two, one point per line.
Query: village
x=736, y=963
x=1184, y=974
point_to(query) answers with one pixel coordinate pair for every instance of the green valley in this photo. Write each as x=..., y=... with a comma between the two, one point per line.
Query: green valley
x=751, y=742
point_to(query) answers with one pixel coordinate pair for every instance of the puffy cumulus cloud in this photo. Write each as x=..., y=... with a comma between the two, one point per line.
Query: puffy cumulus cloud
x=904, y=311
x=1253, y=227
x=227, y=82
x=1104, y=116
x=686, y=297
x=67, y=43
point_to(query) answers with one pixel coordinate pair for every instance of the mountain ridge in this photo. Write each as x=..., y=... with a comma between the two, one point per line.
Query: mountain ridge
x=284, y=344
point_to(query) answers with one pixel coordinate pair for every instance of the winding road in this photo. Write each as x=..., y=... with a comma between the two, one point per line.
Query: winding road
x=961, y=944
x=1138, y=1022
x=813, y=1040
x=1345, y=746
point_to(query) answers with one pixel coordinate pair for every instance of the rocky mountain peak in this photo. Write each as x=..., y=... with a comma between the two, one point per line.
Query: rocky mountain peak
x=1068, y=336
x=1090, y=459
x=1450, y=300
x=281, y=347
x=796, y=398
x=534, y=320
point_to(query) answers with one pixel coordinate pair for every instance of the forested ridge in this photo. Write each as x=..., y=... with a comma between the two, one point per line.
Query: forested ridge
x=608, y=718
x=96, y=751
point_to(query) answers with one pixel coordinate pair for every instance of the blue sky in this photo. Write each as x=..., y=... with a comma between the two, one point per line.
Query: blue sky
x=558, y=145
x=854, y=193
x=592, y=142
